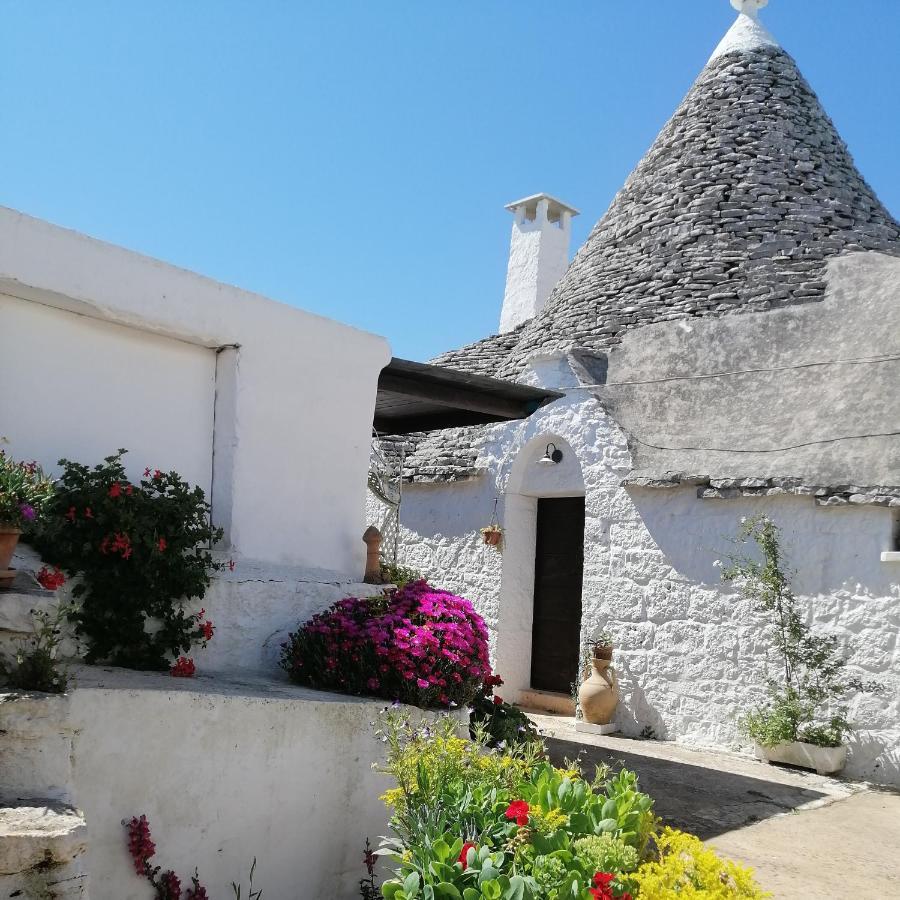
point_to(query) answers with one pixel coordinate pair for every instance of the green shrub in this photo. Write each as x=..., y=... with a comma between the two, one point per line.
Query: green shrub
x=502, y=723
x=471, y=822
x=141, y=552
x=808, y=695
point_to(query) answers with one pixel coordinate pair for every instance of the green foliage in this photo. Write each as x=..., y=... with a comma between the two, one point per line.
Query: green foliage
x=471, y=822
x=399, y=576
x=24, y=492
x=251, y=894
x=503, y=723
x=35, y=666
x=607, y=853
x=807, y=698
x=141, y=551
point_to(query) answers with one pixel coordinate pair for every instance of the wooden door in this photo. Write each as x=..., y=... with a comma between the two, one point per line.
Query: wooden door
x=558, y=571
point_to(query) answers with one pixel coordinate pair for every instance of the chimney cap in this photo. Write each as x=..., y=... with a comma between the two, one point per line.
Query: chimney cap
x=554, y=207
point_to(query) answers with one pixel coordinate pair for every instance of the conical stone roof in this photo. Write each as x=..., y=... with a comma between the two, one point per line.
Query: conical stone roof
x=742, y=199
x=744, y=195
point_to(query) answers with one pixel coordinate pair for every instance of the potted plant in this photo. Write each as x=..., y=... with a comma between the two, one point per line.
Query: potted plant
x=602, y=645
x=492, y=535
x=598, y=695
x=24, y=489
x=804, y=721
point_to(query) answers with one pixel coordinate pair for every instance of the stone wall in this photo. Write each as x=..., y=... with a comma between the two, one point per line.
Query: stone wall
x=225, y=769
x=691, y=653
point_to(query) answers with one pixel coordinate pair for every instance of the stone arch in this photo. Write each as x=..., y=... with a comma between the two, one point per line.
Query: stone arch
x=526, y=484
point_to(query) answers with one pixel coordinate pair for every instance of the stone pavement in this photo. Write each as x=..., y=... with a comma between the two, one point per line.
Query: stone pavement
x=805, y=835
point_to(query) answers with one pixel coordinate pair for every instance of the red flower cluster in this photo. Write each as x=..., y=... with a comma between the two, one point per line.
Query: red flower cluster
x=464, y=854
x=602, y=889
x=118, y=542
x=140, y=844
x=196, y=891
x=161, y=544
x=50, y=581
x=142, y=850
x=169, y=886
x=418, y=645
x=517, y=811
x=183, y=668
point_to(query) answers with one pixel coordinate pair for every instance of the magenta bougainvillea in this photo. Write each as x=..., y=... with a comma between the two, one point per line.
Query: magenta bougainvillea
x=418, y=645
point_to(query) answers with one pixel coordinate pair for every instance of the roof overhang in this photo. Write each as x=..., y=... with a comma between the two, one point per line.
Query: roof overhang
x=418, y=397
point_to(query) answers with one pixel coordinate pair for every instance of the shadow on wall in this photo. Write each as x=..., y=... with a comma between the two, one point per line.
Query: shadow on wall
x=449, y=510
x=704, y=801
x=830, y=549
x=635, y=714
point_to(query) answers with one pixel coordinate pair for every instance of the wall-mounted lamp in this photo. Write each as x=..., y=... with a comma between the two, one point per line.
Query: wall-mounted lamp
x=552, y=457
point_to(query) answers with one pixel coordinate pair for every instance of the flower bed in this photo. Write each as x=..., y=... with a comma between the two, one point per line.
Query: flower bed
x=419, y=645
x=472, y=823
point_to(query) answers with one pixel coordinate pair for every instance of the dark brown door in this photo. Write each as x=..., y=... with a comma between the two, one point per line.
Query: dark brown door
x=558, y=570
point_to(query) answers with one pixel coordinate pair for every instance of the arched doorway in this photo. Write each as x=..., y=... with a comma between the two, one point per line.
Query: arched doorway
x=539, y=622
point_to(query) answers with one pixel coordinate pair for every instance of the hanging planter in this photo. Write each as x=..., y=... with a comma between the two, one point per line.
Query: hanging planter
x=492, y=535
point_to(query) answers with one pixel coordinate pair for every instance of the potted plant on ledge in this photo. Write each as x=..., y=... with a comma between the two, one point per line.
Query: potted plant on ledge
x=24, y=489
x=804, y=722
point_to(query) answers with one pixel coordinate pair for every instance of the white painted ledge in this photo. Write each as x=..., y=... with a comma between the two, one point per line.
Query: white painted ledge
x=890, y=556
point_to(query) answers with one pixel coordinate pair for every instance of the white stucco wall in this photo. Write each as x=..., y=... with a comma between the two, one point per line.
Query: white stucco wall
x=690, y=653
x=294, y=401
x=80, y=388
x=223, y=770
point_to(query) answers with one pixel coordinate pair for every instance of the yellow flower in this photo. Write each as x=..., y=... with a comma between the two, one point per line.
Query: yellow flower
x=689, y=870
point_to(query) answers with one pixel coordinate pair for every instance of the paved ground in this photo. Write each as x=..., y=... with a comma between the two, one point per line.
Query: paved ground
x=806, y=836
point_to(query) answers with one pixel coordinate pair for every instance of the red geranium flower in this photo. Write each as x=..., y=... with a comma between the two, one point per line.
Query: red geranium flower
x=518, y=811
x=70, y=515
x=498, y=701
x=466, y=847
x=161, y=544
x=183, y=668
x=50, y=581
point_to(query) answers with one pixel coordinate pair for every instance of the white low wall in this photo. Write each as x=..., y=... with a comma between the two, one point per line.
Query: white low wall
x=225, y=771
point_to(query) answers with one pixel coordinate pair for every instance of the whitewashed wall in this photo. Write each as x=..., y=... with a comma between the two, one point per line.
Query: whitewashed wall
x=691, y=656
x=294, y=395
x=80, y=388
x=224, y=771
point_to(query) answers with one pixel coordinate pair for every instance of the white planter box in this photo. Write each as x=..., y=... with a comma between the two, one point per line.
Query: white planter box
x=825, y=760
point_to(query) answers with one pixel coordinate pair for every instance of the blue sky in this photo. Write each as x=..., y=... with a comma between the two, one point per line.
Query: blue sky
x=353, y=157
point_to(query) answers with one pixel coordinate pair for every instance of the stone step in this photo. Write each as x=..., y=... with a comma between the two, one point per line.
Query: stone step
x=43, y=846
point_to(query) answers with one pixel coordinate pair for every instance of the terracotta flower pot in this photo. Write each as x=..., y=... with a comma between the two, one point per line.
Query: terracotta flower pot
x=492, y=537
x=9, y=537
x=603, y=651
x=599, y=695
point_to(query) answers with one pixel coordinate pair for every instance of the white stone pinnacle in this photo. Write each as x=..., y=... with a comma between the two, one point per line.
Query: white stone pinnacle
x=749, y=7
x=747, y=33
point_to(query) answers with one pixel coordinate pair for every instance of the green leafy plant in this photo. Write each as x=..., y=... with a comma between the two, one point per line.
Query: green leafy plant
x=24, y=492
x=35, y=665
x=470, y=822
x=397, y=575
x=141, y=551
x=251, y=894
x=808, y=695
x=501, y=723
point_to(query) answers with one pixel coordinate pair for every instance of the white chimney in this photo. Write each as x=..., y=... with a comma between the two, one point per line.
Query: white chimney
x=538, y=256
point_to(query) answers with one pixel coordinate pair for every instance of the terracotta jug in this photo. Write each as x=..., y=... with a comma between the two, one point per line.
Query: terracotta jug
x=598, y=696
